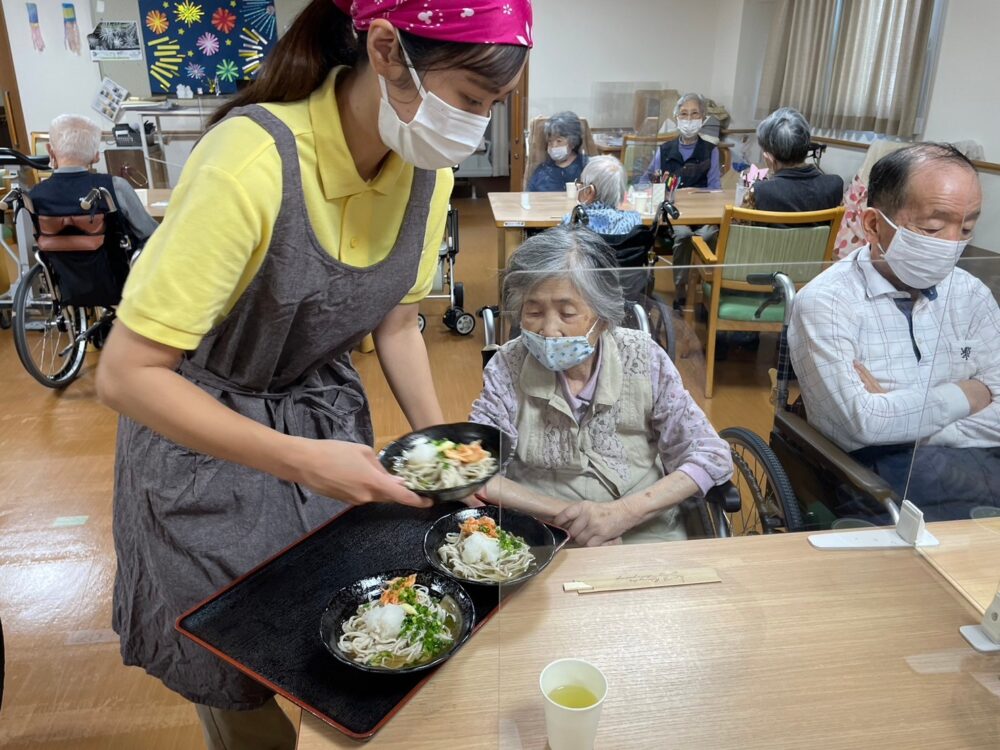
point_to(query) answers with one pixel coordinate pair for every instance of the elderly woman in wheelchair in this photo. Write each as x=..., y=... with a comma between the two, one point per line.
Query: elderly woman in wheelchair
x=608, y=443
x=601, y=191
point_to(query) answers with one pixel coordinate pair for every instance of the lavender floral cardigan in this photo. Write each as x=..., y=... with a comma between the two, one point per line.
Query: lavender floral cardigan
x=642, y=424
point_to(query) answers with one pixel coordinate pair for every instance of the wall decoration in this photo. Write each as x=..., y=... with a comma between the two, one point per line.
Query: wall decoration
x=36, y=31
x=109, y=98
x=206, y=44
x=115, y=40
x=71, y=31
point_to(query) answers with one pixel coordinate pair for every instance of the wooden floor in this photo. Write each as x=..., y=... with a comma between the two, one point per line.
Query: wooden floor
x=66, y=687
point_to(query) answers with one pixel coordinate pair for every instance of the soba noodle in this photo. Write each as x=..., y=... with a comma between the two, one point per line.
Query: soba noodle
x=405, y=627
x=442, y=464
x=482, y=551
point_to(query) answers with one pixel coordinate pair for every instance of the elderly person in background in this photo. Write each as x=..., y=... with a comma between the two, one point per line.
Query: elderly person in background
x=793, y=185
x=693, y=159
x=74, y=146
x=607, y=442
x=696, y=162
x=565, y=162
x=601, y=191
x=895, y=346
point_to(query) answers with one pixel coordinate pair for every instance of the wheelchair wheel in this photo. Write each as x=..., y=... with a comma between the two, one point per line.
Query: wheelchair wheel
x=47, y=336
x=769, y=503
x=661, y=325
x=421, y=322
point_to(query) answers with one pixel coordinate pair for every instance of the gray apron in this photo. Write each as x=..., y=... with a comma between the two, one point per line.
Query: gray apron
x=186, y=524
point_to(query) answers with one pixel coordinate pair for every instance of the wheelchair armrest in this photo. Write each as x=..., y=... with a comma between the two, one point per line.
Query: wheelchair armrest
x=726, y=496
x=821, y=448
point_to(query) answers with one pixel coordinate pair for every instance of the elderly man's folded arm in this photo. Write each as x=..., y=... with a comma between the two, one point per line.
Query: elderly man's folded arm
x=824, y=363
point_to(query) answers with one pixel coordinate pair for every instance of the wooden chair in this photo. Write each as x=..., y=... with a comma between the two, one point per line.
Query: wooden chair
x=538, y=147
x=39, y=147
x=755, y=242
x=658, y=103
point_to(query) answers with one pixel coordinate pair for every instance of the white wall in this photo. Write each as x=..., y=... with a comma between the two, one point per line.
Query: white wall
x=56, y=80
x=580, y=43
x=964, y=103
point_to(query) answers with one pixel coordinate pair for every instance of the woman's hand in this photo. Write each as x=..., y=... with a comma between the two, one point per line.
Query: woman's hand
x=593, y=524
x=350, y=472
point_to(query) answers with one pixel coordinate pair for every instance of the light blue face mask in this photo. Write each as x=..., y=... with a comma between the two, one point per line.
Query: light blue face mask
x=559, y=353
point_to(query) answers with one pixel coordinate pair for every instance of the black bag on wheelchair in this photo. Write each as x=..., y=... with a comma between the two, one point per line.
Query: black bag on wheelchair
x=86, y=250
x=85, y=257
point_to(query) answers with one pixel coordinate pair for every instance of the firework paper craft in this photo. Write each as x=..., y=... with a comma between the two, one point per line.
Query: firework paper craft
x=71, y=32
x=198, y=42
x=36, y=31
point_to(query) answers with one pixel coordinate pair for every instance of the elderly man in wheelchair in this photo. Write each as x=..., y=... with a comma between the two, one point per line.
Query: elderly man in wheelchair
x=897, y=352
x=88, y=228
x=608, y=443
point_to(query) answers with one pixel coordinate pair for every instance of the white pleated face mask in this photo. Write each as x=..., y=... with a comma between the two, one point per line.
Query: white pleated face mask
x=689, y=128
x=438, y=136
x=919, y=261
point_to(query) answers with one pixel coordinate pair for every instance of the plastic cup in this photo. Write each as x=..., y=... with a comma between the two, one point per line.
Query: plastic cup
x=572, y=728
x=659, y=194
x=571, y=190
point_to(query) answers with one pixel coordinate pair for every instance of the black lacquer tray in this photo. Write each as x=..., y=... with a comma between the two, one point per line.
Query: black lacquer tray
x=266, y=623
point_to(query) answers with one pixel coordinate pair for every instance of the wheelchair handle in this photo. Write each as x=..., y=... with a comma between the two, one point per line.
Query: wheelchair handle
x=9, y=156
x=784, y=291
x=88, y=201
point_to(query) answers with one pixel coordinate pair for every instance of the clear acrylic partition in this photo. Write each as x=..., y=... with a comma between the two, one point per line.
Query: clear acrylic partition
x=782, y=619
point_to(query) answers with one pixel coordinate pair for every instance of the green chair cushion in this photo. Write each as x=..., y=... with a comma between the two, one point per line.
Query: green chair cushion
x=741, y=306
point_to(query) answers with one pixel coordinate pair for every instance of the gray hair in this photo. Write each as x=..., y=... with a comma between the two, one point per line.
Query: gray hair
x=689, y=97
x=74, y=138
x=784, y=134
x=608, y=177
x=566, y=252
x=565, y=125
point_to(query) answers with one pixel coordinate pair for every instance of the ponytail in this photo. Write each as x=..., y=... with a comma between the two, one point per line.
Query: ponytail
x=321, y=38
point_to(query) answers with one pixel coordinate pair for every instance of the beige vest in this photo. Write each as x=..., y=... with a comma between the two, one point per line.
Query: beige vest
x=611, y=452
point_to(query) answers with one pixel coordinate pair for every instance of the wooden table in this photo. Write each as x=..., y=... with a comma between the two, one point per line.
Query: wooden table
x=795, y=648
x=697, y=207
x=156, y=200
x=968, y=557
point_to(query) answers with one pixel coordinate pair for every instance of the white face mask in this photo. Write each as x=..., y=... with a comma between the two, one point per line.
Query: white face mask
x=920, y=261
x=689, y=128
x=438, y=136
x=558, y=153
x=559, y=353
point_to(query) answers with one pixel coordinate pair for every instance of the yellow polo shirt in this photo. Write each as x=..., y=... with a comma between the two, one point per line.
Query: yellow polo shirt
x=218, y=226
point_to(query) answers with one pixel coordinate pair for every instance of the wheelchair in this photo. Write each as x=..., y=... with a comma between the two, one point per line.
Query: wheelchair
x=22, y=228
x=455, y=317
x=798, y=479
x=68, y=298
x=708, y=517
x=636, y=255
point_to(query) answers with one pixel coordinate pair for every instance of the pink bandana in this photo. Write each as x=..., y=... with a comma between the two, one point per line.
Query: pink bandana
x=468, y=21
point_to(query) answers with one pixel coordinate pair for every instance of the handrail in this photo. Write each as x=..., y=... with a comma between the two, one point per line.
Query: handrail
x=982, y=166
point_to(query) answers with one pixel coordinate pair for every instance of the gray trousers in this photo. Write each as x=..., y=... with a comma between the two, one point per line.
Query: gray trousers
x=264, y=728
x=683, y=248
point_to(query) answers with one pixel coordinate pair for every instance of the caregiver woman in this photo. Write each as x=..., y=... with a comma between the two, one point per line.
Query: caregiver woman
x=308, y=217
